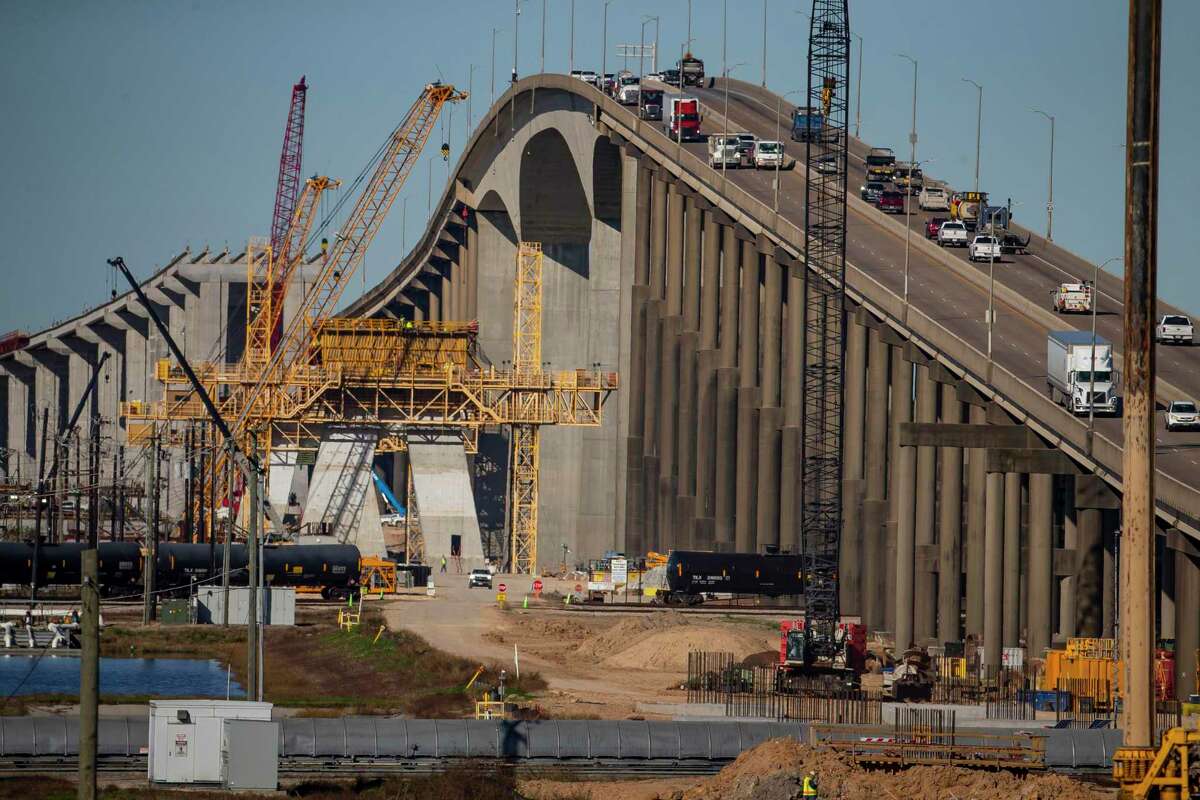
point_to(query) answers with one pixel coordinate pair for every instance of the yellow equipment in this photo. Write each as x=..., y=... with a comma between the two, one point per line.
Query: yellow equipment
x=378, y=575
x=1088, y=666
x=1165, y=774
x=527, y=366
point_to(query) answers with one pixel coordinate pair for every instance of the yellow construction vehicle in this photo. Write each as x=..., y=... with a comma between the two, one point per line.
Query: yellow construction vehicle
x=1170, y=773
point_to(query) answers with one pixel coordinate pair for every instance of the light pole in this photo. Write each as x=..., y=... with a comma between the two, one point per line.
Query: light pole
x=689, y=36
x=1050, y=200
x=725, y=136
x=991, y=312
x=908, y=226
x=778, y=141
x=604, y=45
x=1091, y=431
x=764, y=68
x=657, y=28
x=978, y=128
x=858, y=90
x=494, y=32
x=470, y=92
x=542, y=58
x=516, y=30
x=571, y=50
x=646, y=20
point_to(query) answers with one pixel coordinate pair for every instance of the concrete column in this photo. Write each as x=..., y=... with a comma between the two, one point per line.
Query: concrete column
x=745, y=516
x=651, y=387
x=435, y=297
x=635, y=507
x=875, y=563
x=641, y=232
x=771, y=416
x=472, y=270
x=1164, y=569
x=691, y=266
x=1041, y=563
x=668, y=409
x=1187, y=623
x=748, y=315
x=710, y=281
x=674, y=252
x=1089, y=555
x=658, y=238
x=901, y=502
x=925, y=598
x=852, y=552
x=726, y=457
x=976, y=536
x=789, y=436
x=1066, y=586
x=686, y=438
x=705, y=434
x=950, y=524
x=993, y=569
x=1012, y=559
x=729, y=297
x=905, y=549
x=1109, y=521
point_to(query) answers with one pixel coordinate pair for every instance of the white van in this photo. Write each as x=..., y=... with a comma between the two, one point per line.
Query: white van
x=933, y=198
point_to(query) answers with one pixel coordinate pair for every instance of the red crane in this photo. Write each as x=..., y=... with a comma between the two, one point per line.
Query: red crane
x=287, y=189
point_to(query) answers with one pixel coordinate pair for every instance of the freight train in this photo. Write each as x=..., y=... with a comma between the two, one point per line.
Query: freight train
x=692, y=574
x=333, y=568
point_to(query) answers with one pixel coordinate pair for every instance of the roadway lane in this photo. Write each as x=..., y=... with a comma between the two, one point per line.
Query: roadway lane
x=1019, y=342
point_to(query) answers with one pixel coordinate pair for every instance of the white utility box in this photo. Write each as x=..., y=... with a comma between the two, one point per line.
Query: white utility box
x=187, y=736
x=250, y=754
x=278, y=605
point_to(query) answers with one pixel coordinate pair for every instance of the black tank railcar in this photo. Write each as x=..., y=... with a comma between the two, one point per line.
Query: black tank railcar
x=119, y=564
x=693, y=573
x=335, y=568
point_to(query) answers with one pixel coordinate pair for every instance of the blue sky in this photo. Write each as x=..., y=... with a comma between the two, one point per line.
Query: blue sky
x=138, y=128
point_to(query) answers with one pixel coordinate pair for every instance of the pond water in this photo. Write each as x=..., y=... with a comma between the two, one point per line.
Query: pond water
x=153, y=677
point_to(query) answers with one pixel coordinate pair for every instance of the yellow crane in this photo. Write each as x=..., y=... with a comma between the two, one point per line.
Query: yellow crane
x=527, y=369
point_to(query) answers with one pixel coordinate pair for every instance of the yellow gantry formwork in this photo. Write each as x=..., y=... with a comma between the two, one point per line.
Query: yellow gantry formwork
x=527, y=366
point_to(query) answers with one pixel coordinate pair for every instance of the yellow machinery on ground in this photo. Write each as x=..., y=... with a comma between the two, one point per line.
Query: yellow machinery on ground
x=378, y=576
x=1086, y=668
x=1172, y=772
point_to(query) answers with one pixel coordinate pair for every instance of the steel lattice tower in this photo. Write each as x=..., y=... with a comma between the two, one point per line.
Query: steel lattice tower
x=824, y=323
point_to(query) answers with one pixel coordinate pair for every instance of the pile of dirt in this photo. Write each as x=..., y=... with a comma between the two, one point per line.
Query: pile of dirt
x=609, y=641
x=774, y=771
x=667, y=651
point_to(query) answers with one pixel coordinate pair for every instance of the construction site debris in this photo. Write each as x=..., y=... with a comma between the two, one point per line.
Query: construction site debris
x=774, y=771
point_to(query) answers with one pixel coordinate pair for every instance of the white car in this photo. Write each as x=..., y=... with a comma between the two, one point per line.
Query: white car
x=768, y=155
x=1175, y=329
x=933, y=198
x=983, y=248
x=479, y=577
x=655, y=76
x=952, y=233
x=1182, y=415
x=828, y=164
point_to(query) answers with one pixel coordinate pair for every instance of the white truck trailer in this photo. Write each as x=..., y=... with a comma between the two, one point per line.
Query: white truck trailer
x=1076, y=380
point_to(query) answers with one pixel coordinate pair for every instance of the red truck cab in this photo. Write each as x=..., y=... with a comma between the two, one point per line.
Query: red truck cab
x=891, y=203
x=683, y=121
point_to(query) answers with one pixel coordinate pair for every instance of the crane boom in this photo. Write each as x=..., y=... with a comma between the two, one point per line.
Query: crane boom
x=399, y=156
x=287, y=187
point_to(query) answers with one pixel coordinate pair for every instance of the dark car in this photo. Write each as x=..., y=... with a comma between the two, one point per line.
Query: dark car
x=933, y=226
x=671, y=77
x=871, y=192
x=891, y=202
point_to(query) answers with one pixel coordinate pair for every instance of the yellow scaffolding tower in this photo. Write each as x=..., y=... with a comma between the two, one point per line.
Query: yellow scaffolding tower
x=527, y=368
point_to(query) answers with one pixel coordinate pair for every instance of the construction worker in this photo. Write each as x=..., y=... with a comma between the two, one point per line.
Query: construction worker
x=443, y=563
x=809, y=788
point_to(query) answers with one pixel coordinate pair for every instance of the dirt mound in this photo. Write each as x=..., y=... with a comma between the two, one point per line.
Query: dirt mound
x=774, y=771
x=612, y=640
x=667, y=651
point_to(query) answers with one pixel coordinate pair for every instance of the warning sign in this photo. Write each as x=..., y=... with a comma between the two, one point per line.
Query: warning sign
x=181, y=745
x=501, y=597
x=537, y=585
x=503, y=588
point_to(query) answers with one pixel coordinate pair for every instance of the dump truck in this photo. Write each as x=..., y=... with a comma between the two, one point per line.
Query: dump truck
x=683, y=119
x=1072, y=298
x=1078, y=381
x=808, y=125
x=881, y=163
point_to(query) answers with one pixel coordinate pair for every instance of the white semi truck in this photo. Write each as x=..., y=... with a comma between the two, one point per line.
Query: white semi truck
x=1077, y=381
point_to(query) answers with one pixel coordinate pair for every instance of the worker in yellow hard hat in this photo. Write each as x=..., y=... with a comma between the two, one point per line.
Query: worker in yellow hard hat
x=808, y=789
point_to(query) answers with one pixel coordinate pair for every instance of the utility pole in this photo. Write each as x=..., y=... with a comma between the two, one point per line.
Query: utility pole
x=148, y=573
x=120, y=471
x=252, y=631
x=189, y=488
x=1141, y=232
x=229, y=475
x=40, y=499
x=89, y=620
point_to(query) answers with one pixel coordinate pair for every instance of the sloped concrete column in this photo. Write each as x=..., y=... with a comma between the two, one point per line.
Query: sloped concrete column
x=853, y=433
x=341, y=498
x=950, y=524
x=875, y=562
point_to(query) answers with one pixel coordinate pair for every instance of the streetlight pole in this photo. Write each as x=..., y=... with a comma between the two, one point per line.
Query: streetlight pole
x=1091, y=431
x=571, y=50
x=858, y=90
x=778, y=141
x=642, y=46
x=494, y=32
x=978, y=128
x=1050, y=200
x=764, y=66
x=657, y=28
x=689, y=36
x=470, y=92
x=912, y=139
x=604, y=45
x=725, y=135
x=542, y=58
x=516, y=30
x=991, y=312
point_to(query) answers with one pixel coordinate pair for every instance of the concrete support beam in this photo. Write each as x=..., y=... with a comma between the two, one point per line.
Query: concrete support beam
x=1089, y=549
x=745, y=516
x=993, y=570
x=691, y=266
x=710, y=281
x=748, y=316
x=1187, y=622
x=341, y=499
x=658, y=238
x=950, y=486
x=768, y=472
x=853, y=432
x=1050, y=462
x=902, y=476
x=1040, y=563
x=674, y=253
x=789, y=438
x=635, y=507
x=668, y=410
x=1066, y=585
x=651, y=388
x=1012, y=559
x=927, y=434
x=705, y=434
x=875, y=563
x=686, y=437
x=472, y=271
x=977, y=522
x=925, y=587
x=726, y=457
x=730, y=285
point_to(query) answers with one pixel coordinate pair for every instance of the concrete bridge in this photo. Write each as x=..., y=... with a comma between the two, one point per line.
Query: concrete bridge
x=973, y=504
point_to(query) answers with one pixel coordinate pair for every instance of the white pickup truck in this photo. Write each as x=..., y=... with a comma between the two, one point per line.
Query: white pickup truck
x=983, y=248
x=933, y=198
x=952, y=234
x=1174, y=329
